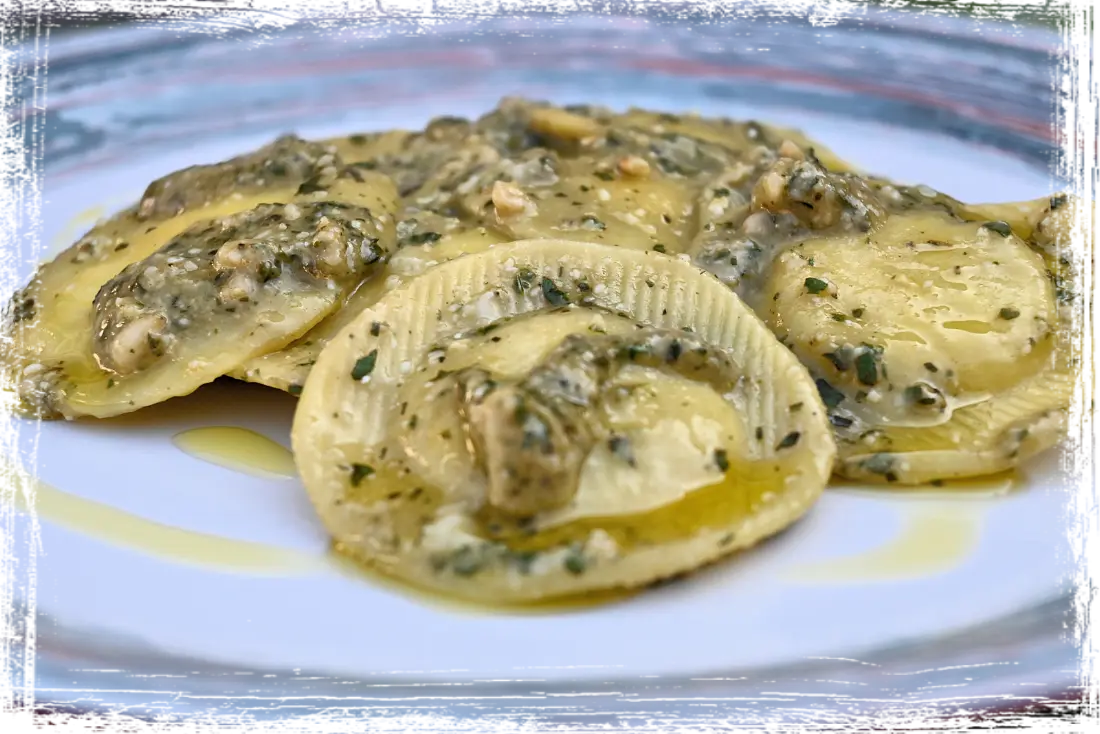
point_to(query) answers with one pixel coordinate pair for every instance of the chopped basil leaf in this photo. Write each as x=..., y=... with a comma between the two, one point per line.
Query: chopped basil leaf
x=829, y=394
x=364, y=365
x=816, y=285
x=554, y=295
x=789, y=440
x=359, y=472
x=867, y=368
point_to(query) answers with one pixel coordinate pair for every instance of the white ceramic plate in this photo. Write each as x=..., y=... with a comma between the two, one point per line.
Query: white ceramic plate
x=141, y=580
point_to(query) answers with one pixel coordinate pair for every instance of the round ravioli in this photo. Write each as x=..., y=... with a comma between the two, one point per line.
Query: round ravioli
x=218, y=293
x=553, y=417
x=933, y=341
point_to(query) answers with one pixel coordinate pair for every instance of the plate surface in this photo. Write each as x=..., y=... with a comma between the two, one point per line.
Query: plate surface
x=875, y=576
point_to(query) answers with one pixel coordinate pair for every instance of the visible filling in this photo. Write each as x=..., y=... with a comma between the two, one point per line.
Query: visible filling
x=225, y=267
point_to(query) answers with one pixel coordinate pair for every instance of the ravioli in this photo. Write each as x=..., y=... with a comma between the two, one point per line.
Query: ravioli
x=933, y=341
x=531, y=170
x=551, y=417
x=286, y=369
x=558, y=350
x=198, y=277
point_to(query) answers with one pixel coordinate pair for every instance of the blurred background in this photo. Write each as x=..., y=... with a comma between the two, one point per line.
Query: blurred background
x=22, y=15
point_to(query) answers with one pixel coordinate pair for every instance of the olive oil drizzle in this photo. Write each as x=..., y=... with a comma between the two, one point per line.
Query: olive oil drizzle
x=238, y=449
x=941, y=527
x=934, y=539
x=120, y=528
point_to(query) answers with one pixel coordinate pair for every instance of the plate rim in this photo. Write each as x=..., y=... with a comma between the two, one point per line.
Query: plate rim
x=75, y=680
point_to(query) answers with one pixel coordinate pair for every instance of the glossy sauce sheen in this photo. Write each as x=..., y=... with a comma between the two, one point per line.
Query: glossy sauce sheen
x=120, y=528
x=238, y=449
x=933, y=539
x=940, y=528
x=935, y=536
x=248, y=452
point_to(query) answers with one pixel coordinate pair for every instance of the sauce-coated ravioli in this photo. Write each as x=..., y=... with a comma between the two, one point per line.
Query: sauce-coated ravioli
x=933, y=341
x=550, y=417
x=529, y=170
x=214, y=265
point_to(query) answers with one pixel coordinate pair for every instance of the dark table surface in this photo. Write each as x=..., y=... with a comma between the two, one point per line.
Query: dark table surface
x=22, y=18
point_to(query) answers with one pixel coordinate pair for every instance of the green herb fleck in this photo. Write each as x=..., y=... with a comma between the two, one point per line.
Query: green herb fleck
x=294, y=389
x=620, y=447
x=575, y=562
x=423, y=238
x=553, y=294
x=359, y=472
x=364, y=365
x=789, y=440
x=840, y=421
x=590, y=222
x=1008, y=313
x=921, y=394
x=931, y=367
x=867, y=367
x=816, y=285
x=660, y=248
x=523, y=280
x=840, y=362
x=270, y=270
x=829, y=394
x=721, y=460
x=878, y=463
x=1001, y=228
